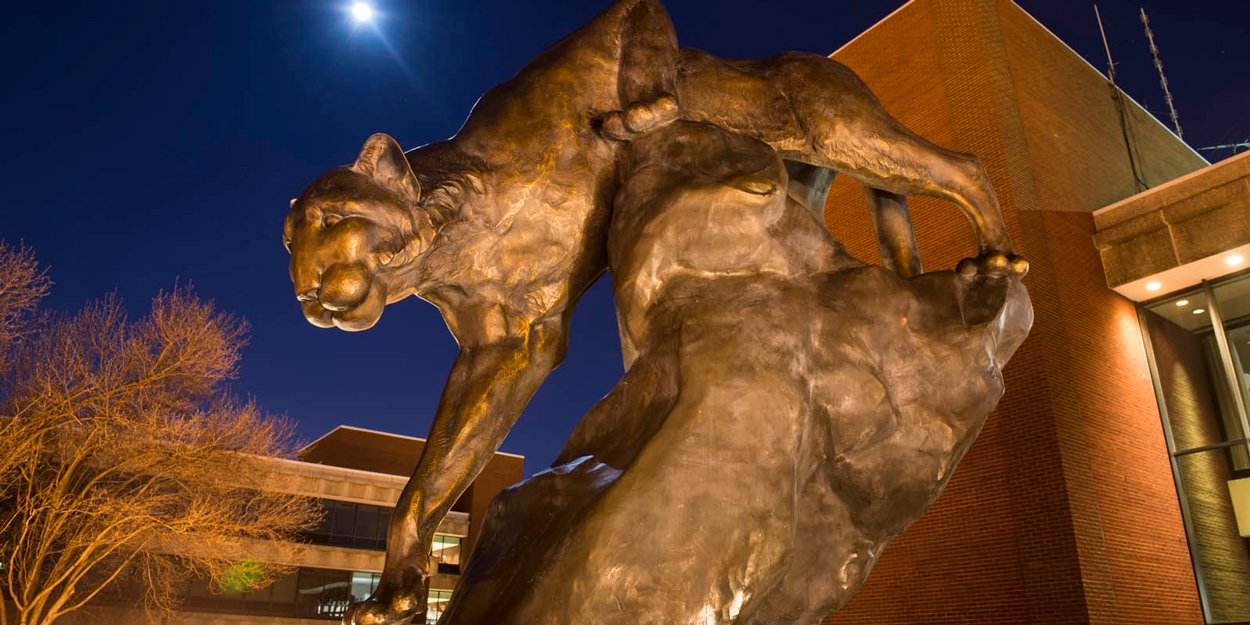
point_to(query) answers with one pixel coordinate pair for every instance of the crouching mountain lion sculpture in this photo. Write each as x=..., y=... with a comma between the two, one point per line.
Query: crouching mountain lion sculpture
x=778, y=392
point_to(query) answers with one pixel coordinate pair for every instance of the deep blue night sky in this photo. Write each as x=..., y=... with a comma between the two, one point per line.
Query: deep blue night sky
x=148, y=142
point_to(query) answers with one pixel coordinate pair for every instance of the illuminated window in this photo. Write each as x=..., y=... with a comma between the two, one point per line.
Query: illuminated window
x=1199, y=351
x=363, y=585
x=436, y=604
x=446, y=553
x=323, y=593
x=306, y=593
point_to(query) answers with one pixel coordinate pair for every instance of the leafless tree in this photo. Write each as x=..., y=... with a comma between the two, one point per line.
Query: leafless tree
x=22, y=285
x=126, y=465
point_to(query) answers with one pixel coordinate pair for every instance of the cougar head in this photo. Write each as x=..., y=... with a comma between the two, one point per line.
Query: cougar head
x=351, y=233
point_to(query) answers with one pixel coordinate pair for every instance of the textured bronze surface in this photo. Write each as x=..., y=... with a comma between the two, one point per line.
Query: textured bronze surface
x=785, y=411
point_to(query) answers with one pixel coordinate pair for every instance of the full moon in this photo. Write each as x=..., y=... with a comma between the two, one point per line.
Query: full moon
x=362, y=12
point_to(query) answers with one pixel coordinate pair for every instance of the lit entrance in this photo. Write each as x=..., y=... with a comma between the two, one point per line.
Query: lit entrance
x=1198, y=345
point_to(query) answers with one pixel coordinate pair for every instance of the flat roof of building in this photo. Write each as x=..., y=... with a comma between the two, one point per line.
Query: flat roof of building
x=368, y=450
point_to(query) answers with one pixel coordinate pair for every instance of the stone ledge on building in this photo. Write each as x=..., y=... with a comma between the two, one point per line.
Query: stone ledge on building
x=212, y=618
x=331, y=482
x=1178, y=233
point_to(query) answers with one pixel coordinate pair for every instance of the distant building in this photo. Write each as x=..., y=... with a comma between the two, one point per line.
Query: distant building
x=1109, y=485
x=357, y=475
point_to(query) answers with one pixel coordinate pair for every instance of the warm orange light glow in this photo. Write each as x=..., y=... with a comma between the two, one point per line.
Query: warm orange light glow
x=1153, y=286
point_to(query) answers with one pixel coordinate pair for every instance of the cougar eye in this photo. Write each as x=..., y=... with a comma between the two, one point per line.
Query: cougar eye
x=329, y=220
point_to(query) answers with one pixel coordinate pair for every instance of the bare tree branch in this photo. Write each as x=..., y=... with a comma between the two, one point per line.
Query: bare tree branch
x=126, y=465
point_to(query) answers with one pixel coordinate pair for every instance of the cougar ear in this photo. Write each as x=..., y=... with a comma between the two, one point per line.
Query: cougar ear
x=382, y=158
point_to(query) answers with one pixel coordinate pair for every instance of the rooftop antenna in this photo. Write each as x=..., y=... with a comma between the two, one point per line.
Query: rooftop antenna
x=1110, y=63
x=1163, y=80
x=1229, y=146
x=1119, y=104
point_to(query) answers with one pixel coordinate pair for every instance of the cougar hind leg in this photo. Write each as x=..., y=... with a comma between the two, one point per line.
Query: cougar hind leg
x=647, y=82
x=848, y=131
x=880, y=153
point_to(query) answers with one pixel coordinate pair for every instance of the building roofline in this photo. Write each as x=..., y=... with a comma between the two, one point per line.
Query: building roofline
x=1064, y=44
x=872, y=27
x=380, y=433
x=1104, y=77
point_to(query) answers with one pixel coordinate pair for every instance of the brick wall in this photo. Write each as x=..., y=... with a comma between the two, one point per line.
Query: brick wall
x=1070, y=119
x=1064, y=509
x=960, y=562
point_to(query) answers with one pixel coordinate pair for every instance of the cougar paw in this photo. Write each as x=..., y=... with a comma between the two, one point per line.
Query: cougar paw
x=643, y=116
x=387, y=607
x=639, y=118
x=985, y=284
x=993, y=264
x=614, y=127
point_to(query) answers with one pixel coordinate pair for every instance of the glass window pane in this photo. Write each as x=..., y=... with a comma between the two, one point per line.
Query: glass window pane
x=351, y=525
x=1190, y=376
x=343, y=523
x=323, y=593
x=446, y=549
x=282, y=597
x=366, y=527
x=324, y=525
x=258, y=598
x=384, y=521
x=1187, y=309
x=344, y=518
x=1233, y=300
x=362, y=585
x=1221, y=554
x=436, y=604
x=308, y=587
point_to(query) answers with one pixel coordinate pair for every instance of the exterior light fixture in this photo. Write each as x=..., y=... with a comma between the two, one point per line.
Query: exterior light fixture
x=1182, y=302
x=1199, y=311
x=1234, y=260
x=1153, y=286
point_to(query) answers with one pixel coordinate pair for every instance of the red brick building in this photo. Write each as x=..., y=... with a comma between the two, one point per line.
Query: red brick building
x=1066, y=509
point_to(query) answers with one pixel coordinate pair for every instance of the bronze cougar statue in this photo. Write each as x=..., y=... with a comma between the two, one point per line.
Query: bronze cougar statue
x=505, y=225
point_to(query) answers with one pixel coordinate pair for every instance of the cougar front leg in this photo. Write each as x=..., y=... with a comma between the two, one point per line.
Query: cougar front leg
x=895, y=236
x=647, y=83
